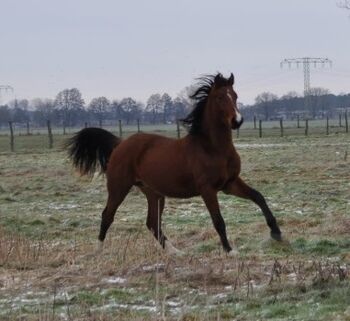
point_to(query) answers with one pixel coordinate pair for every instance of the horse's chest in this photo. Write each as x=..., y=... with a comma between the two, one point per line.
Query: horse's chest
x=233, y=167
x=218, y=175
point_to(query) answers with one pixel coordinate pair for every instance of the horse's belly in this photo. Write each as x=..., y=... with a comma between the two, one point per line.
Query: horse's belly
x=175, y=193
x=167, y=178
x=170, y=185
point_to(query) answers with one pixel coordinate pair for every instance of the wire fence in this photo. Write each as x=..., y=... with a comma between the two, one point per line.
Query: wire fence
x=27, y=136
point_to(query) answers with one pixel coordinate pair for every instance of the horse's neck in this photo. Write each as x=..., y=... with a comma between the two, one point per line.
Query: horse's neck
x=218, y=137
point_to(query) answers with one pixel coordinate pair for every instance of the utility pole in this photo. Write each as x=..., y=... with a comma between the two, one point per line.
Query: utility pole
x=306, y=62
x=5, y=88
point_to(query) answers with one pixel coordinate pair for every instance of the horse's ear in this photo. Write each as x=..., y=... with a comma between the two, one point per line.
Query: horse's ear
x=218, y=79
x=231, y=80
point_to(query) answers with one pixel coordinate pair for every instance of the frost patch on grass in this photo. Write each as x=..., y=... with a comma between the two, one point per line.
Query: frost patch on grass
x=114, y=280
x=265, y=145
x=272, y=145
x=68, y=206
x=154, y=267
x=130, y=307
x=26, y=299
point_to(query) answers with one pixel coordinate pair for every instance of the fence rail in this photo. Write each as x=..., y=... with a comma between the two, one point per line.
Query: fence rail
x=26, y=136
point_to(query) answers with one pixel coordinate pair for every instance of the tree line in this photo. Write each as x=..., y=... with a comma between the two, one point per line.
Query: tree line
x=69, y=109
x=318, y=104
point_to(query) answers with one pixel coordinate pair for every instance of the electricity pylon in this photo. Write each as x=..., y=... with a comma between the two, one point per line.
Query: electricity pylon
x=306, y=62
x=5, y=88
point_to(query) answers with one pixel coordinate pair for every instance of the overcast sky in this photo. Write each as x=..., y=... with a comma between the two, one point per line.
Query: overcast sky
x=137, y=48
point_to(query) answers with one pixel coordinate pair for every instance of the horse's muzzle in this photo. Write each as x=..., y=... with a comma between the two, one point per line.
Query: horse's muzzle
x=236, y=124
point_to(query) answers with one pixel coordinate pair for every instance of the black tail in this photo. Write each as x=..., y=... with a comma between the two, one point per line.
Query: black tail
x=90, y=149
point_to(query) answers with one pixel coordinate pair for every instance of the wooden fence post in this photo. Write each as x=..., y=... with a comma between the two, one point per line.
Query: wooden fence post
x=28, y=129
x=260, y=128
x=50, y=134
x=346, y=122
x=281, y=126
x=298, y=121
x=327, y=126
x=12, y=139
x=120, y=129
x=138, y=125
x=306, y=127
x=340, y=120
x=178, y=129
x=254, y=122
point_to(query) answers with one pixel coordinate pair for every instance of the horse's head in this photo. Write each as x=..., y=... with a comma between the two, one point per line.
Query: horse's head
x=215, y=103
x=224, y=100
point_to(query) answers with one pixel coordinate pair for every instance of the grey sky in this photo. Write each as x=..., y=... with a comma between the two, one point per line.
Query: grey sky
x=137, y=48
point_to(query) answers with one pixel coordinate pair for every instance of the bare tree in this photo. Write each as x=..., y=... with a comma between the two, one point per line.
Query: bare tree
x=167, y=107
x=317, y=100
x=99, y=107
x=5, y=115
x=344, y=4
x=131, y=109
x=116, y=110
x=288, y=103
x=154, y=107
x=44, y=110
x=264, y=100
x=69, y=102
x=180, y=108
x=19, y=110
x=290, y=95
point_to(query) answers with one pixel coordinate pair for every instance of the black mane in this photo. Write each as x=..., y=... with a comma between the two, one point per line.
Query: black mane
x=192, y=122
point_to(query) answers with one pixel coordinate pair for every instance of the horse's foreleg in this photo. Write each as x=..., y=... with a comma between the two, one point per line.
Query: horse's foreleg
x=211, y=201
x=239, y=188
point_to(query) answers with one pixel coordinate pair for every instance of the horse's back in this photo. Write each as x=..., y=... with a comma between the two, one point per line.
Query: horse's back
x=158, y=162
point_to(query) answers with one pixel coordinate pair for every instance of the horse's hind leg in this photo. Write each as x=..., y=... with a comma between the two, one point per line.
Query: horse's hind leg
x=115, y=198
x=239, y=188
x=154, y=219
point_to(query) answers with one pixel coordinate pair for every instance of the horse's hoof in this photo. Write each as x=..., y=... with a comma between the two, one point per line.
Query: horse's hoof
x=99, y=248
x=176, y=253
x=233, y=253
x=179, y=253
x=172, y=250
x=276, y=236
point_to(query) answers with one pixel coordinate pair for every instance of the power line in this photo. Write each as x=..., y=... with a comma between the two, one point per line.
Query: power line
x=5, y=88
x=306, y=62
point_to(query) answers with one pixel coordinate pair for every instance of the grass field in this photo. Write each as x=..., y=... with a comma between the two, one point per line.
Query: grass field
x=49, y=220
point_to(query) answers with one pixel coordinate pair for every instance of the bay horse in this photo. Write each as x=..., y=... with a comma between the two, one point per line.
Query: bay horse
x=202, y=163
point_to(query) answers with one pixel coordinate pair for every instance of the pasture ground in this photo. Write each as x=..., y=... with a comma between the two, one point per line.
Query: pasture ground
x=49, y=221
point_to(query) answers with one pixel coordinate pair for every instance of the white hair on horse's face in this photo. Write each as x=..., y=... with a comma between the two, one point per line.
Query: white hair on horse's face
x=238, y=114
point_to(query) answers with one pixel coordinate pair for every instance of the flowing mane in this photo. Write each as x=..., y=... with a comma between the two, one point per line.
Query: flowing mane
x=192, y=122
